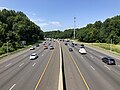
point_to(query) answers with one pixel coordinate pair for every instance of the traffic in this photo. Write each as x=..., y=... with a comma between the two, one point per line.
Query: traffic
x=81, y=64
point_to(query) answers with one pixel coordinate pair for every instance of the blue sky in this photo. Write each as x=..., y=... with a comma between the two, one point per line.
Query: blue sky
x=59, y=14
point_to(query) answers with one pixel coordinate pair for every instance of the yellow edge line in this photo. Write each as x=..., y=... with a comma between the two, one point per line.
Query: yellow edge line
x=80, y=73
x=44, y=71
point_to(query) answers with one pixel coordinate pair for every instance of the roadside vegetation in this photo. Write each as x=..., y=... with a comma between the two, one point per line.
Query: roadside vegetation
x=16, y=29
x=111, y=47
x=101, y=33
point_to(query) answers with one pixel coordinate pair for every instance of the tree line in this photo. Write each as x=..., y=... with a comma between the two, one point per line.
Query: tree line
x=16, y=27
x=102, y=32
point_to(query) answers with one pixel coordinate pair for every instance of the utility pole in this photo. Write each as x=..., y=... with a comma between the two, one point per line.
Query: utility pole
x=74, y=26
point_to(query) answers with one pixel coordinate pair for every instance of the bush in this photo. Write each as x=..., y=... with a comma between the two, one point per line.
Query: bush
x=2, y=51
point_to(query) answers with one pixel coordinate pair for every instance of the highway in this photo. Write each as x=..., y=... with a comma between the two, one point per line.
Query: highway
x=95, y=74
x=80, y=72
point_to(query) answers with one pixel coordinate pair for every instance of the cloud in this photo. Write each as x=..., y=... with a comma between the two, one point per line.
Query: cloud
x=55, y=23
x=1, y=8
x=42, y=24
x=37, y=20
x=34, y=14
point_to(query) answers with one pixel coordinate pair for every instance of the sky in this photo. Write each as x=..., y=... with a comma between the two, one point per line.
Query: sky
x=59, y=14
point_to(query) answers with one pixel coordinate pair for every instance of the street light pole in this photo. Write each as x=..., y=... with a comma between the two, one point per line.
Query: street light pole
x=74, y=26
x=7, y=47
x=111, y=45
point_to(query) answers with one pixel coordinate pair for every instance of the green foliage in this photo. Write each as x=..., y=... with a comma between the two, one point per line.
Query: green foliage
x=102, y=32
x=59, y=34
x=115, y=48
x=16, y=27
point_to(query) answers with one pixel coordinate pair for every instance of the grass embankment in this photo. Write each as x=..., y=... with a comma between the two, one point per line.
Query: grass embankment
x=21, y=49
x=18, y=50
x=112, y=47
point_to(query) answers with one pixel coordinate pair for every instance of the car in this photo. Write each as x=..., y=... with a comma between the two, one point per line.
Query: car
x=75, y=44
x=51, y=47
x=82, y=46
x=108, y=60
x=32, y=48
x=37, y=45
x=67, y=40
x=33, y=56
x=49, y=43
x=82, y=51
x=72, y=45
x=43, y=43
x=45, y=47
x=65, y=43
x=70, y=49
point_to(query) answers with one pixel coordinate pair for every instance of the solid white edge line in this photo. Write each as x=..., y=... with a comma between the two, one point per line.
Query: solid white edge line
x=12, y=86
x=60, y=83
x=92, y=67
x=107, y=67
x=91, y=56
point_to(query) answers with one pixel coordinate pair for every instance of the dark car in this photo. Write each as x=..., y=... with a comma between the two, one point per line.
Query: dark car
x=75, y=44
x=37, y=45
x=49, y=43
x=108, y=60
x=72, y=45
x=70, y=49
x=82, y=46
x=65, y=43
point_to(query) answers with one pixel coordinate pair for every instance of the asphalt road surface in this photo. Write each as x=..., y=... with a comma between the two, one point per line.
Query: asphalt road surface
x=80, y=72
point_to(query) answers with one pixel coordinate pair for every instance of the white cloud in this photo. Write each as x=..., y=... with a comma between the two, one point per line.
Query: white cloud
x=43, y=24
x=55, y=23
x=34, y=14
x=37, y=20
x=1, y=8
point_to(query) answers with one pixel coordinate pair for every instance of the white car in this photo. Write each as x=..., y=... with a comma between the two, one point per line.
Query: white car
x=33, y=56
x=51, y=47
x=82, y=51
x=32, y=48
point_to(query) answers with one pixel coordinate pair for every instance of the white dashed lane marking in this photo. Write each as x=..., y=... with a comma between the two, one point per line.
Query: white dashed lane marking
x=34, y=64
x=92, y=67
x=118, y=65
x=91, y=56
x=8, y=65
x=21, y=64
x=107, y=67
x=12, y=86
